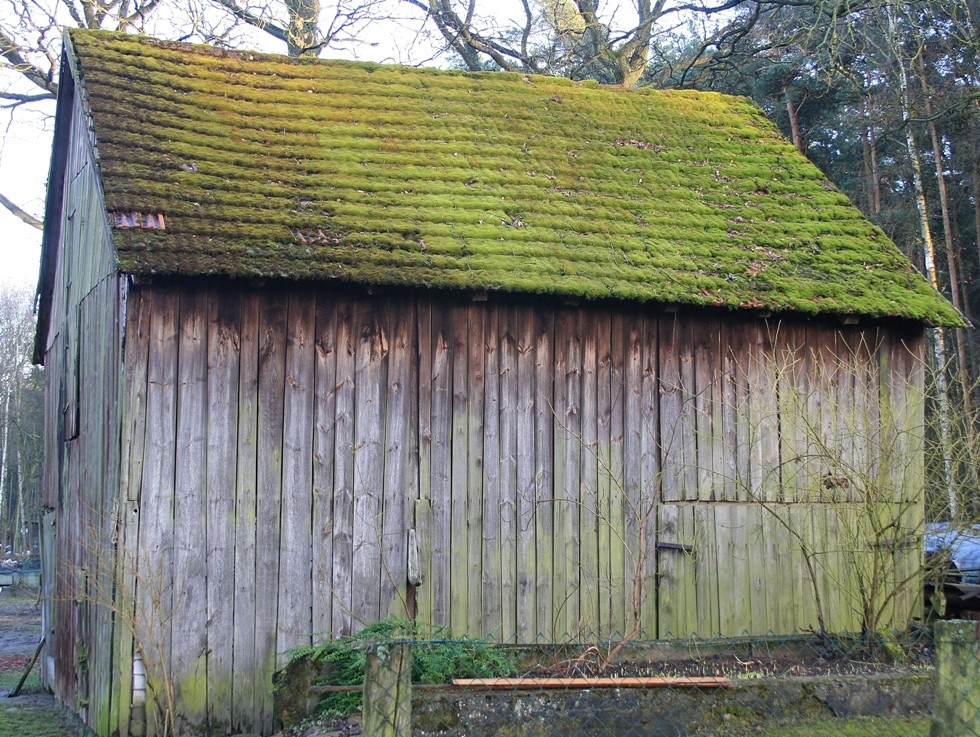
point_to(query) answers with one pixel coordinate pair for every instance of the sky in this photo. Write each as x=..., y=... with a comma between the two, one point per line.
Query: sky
x=25, y=149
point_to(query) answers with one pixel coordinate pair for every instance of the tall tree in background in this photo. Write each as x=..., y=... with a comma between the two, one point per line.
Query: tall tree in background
x=21, y=423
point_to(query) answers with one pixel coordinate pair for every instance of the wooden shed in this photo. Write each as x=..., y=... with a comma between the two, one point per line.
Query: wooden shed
x=538, y=360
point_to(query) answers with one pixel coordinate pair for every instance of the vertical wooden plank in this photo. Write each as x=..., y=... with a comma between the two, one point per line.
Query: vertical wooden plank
x=567, y=444
x=707, y=576
x=324, y=451
x=688, y=564
x=388, y=691
x=400, y=485
x=589, y=510
x=189, y=645
x=633, y=497
x=295, y=593
x=341, y=615
x=706, y=364
x=650, y=476
x=133, y=395
x=734, y=583
x=272, y=321
x=669, y=575
x=247, y=688
x=544, y=456
x=492, y=509
x=475, y=472
x=443, y=350
x=613, y=376
x=369, y=422
x=459, y=337
x=739, y=415
x=223, y=361
x=826, y=563
x=423, y=506
x=607, y=626
x=727, y=454
x=765, y=468
x=526, y=461
x=509, y=451
x=759, y=567
x=791, y=380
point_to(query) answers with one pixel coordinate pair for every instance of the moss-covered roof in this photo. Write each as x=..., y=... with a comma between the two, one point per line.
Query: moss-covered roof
x=309, y=169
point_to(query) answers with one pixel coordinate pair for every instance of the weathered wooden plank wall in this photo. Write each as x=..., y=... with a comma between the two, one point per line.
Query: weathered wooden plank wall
x=570, y=473
x=82, y=420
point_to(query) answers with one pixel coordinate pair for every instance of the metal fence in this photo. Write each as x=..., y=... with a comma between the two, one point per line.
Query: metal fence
x=924, y=683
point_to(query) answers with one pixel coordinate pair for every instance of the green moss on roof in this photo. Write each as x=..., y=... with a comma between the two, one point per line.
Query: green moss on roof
x=310, y=169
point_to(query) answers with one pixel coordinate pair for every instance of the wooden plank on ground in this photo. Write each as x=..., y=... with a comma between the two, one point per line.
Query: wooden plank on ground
x=224, y=315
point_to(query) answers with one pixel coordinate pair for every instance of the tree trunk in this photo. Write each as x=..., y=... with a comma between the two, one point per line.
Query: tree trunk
x=929, y=254
x=952, y=258
x=870, y=160
x=6, y=533
x=794, y=120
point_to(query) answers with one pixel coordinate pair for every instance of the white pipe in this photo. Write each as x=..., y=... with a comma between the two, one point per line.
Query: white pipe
x=139, y=680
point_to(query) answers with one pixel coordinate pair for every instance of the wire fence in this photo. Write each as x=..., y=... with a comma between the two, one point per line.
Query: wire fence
x=923, y=683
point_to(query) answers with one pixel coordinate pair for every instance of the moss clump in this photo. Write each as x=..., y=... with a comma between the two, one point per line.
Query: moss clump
x=437, y=657
x=474, y=181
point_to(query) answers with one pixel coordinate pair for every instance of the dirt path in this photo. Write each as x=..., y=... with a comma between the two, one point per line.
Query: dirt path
x=34, y=713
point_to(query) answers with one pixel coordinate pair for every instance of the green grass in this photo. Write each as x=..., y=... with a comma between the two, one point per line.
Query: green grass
x=25, y=716
x=853, y=727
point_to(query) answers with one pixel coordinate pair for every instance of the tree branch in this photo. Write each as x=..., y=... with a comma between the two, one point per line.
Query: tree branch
x=11, y=51
x=249, y=17
x=21, y=214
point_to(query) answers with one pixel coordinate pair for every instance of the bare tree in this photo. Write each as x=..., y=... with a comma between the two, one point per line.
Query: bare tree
x=20, y=430
x=307, y=27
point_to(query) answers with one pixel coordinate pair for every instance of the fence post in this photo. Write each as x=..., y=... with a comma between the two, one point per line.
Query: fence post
x=388, y=691
x=956, y=712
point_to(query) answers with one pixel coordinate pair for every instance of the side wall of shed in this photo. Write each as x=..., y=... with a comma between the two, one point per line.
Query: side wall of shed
x=82, y=359
x=567, y=472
